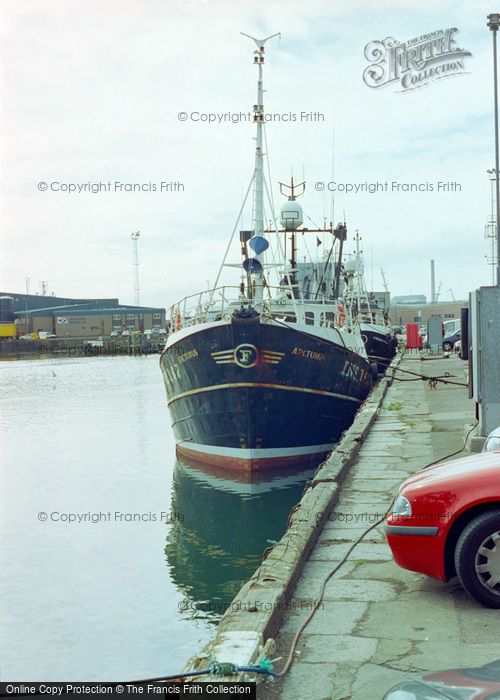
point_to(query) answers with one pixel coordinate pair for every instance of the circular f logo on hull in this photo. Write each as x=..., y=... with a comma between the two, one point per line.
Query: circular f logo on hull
x=245, y=355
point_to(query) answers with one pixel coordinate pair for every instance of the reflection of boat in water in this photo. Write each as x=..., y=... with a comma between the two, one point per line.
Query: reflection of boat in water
x=271, y=370
x=221, y=531
x=379, y=338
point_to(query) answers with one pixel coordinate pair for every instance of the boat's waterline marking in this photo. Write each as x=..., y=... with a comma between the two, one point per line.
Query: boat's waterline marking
x=262, y=385
x=380, y=357
x=249, y=453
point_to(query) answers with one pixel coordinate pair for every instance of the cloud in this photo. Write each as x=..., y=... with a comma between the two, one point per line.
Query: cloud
x=92, y=92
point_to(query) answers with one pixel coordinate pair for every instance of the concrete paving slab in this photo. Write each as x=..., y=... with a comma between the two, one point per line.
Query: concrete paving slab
x=318, y=676
x=339, y=618
x=361, y=484
x=366, y=506
x=311, y=578
x=353, y=589
x=333, y=534
x=365, y=551
x=337, y=649
x=398, y=620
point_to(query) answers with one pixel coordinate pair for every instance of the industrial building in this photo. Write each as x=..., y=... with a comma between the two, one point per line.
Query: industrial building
x=82, y=318
x=403, y=313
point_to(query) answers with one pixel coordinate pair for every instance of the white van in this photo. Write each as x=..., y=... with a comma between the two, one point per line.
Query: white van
x=451, y=326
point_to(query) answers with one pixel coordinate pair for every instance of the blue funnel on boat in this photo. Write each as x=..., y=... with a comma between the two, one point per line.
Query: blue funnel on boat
x=259, y=244
x=252, y=265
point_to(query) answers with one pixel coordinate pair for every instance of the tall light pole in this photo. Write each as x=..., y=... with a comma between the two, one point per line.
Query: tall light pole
x=27, y=281
x=135, y=262
x=491, y=228
x=493, y=24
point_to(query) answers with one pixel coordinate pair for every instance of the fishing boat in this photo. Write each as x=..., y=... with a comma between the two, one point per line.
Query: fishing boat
x=268, y=372
x=379, y=338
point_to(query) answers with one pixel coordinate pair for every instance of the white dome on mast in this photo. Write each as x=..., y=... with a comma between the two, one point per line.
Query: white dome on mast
x=350, y=267
x=291, y=215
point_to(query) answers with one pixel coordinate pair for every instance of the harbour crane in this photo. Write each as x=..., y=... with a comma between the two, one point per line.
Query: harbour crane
x=386, y=286
x=438, y=293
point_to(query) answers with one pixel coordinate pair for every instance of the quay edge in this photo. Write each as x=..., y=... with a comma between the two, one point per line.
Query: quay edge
x=246, y=630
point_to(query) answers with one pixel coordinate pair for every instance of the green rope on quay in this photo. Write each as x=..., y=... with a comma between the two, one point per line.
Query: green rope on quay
x=266, y=664
x=220, y=668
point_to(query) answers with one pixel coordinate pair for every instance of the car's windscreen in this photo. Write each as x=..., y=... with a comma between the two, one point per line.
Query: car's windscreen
x=492, y=444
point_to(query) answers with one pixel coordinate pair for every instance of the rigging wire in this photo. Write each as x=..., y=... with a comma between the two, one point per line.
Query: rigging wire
x=270, y=196
x=233, y=232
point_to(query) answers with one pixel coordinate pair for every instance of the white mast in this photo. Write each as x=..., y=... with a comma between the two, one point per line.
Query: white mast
x=362, y=293
x=135, y=265
x=258, y=117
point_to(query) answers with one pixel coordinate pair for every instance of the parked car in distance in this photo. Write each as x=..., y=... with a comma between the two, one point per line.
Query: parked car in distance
x=450, y=340
x=492, y=442
x=451, y=326
x=43, y=335
x=445, y=522
x=113, y=334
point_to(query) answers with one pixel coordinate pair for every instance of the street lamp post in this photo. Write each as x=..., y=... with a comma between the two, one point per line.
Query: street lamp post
x=493, y=24
x=27, y=281
x=491, y=226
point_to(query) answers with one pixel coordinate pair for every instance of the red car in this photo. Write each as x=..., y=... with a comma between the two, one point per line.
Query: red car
x=479, y=683
x=445, y=522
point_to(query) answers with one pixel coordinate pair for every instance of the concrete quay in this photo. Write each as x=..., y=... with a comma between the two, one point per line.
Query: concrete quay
x=379, y=624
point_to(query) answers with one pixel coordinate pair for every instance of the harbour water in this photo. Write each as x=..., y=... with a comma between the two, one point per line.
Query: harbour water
x=116, y=561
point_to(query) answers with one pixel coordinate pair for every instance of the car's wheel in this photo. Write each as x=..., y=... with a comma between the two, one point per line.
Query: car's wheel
x=477, y=558
x=447, y=346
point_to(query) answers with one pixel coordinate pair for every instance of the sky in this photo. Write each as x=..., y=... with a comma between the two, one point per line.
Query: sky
x=92, y=92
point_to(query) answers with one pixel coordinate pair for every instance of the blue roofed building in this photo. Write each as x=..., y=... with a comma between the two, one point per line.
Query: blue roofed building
x=83, y=318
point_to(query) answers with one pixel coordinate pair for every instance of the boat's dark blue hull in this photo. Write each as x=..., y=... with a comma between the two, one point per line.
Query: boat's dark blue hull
x=381, y=347
x=250, y=395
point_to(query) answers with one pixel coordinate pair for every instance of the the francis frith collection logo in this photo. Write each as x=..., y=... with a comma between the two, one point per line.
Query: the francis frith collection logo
x=414, y=63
